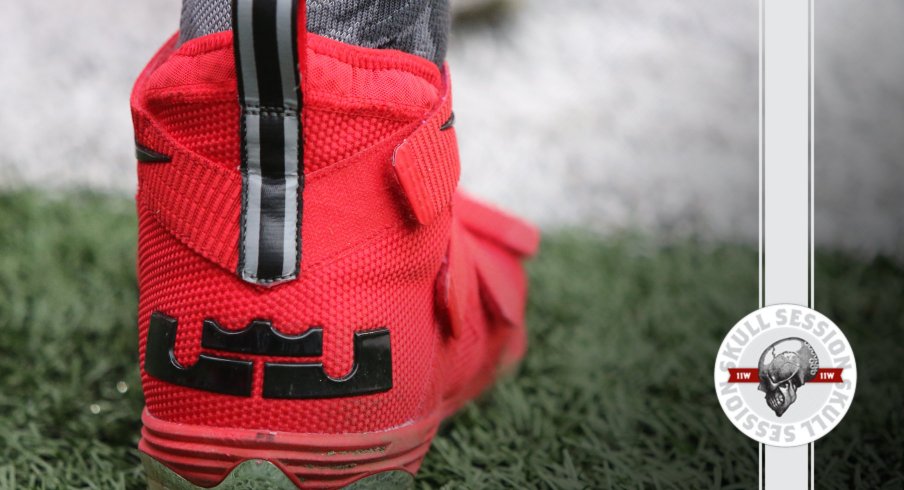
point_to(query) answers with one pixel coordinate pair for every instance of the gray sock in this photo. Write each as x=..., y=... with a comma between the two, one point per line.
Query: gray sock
x=419, y=27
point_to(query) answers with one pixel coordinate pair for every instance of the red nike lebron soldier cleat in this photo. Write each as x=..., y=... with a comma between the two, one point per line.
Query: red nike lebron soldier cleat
x=316, y=296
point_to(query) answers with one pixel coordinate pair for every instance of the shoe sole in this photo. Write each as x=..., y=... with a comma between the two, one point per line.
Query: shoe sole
x=259, y=474
x=189, y=457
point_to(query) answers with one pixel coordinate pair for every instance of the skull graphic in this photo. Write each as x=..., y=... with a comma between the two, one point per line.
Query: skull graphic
x=784, y=367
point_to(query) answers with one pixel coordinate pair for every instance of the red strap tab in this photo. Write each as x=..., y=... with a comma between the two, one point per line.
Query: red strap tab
x=482, y=219
x=426, y=163
x=484, y=273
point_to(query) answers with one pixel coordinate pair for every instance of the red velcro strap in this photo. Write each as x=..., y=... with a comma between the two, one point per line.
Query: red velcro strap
x=197, y=200
x=426, y=163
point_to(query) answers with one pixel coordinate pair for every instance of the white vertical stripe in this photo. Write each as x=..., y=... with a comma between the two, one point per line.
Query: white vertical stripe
x=760, y=472
x=762, y=52
x=761, y=151
x=811, y=171
x=785, y=143
x=812, y=150
x=786, y=160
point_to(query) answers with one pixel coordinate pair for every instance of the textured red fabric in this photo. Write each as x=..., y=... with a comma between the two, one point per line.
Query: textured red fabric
x=368, y=260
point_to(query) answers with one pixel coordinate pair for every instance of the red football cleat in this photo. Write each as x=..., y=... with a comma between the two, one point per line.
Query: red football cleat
x=315, y=295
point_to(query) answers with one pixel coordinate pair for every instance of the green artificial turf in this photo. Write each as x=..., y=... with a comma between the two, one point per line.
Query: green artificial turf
x=616, y=391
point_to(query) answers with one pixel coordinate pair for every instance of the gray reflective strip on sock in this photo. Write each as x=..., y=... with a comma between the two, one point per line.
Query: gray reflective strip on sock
x=267, y=65
x=417, y=27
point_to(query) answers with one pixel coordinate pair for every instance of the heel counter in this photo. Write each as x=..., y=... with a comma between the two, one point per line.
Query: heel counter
x=365, y=352
x=185, y=456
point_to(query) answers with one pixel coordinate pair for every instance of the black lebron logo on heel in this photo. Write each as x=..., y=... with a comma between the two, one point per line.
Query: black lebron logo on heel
x=210, y=373
x=371, y=372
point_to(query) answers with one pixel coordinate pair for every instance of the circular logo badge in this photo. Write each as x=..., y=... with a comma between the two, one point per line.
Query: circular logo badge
x=785, y=375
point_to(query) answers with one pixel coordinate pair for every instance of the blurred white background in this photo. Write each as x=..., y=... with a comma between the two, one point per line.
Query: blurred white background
x=601, y=114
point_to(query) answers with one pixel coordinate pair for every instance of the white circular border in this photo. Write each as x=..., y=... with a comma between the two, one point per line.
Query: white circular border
x=849, y=374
